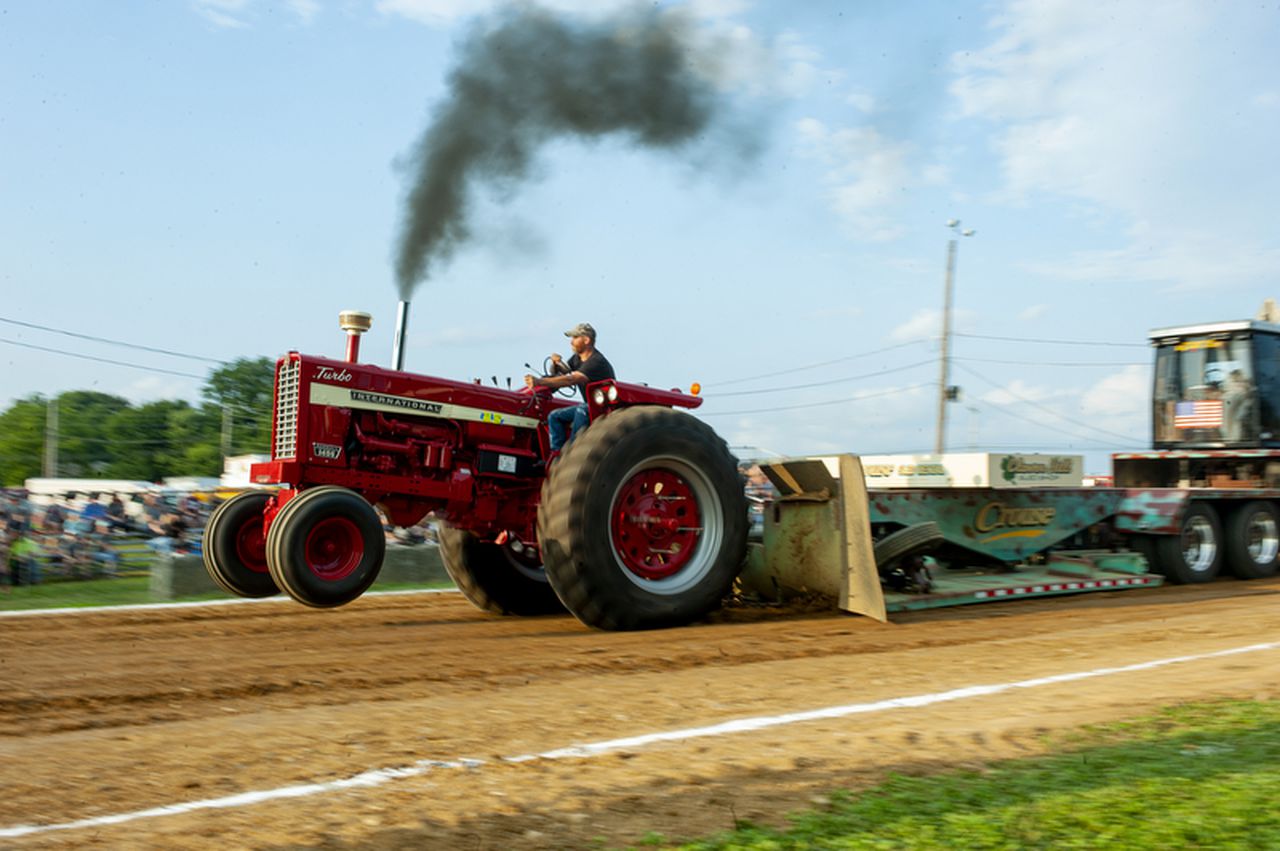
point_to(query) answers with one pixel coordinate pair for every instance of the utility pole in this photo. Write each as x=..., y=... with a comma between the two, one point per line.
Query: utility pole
x=226, y=430
x=945, y=391
x=51, y=439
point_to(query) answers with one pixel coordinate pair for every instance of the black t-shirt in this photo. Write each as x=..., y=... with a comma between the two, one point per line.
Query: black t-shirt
x=595, y=368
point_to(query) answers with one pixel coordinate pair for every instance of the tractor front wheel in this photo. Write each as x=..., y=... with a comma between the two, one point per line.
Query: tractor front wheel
x=235, y=548
x=325, y=547
x=643, y=521
x=495, y=579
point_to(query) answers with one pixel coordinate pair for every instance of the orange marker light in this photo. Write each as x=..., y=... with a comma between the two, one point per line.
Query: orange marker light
x=695, y=388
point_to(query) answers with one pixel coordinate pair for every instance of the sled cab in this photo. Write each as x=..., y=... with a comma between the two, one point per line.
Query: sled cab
x=1217, y=386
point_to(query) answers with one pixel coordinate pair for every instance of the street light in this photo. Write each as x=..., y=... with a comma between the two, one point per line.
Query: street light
x=945, y=391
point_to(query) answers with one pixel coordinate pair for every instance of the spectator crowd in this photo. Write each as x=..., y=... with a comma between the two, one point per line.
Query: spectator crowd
x=77, y=535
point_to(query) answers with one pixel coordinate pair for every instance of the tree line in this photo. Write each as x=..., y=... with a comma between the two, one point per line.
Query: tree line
x=104, y=436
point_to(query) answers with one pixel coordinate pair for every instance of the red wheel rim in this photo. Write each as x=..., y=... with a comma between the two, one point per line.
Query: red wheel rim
x=251, y=545
x=655, y=524
x=334, y=548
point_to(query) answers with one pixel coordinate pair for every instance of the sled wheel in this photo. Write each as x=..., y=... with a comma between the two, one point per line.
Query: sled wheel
x=1194, y=555
x=495, y=579
x=1253, y=540
x=235, y=548
x=919, y=537
x=643, y=521
x=325, y=547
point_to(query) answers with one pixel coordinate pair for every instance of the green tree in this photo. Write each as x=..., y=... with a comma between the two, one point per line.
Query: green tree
x=143, y=442
x=84, y=448
x=22, y=440
x=100, y=435
x=246, y=388
x=194, y=442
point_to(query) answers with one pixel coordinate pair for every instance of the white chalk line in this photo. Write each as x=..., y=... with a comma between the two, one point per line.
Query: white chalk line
x=235, y=601
x=379, y=776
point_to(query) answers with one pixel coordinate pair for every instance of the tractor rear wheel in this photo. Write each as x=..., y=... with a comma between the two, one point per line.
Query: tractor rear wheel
x=325, y=547
x=235, y=548
x=643, y=521
x=495, y=579
x=1253, y=540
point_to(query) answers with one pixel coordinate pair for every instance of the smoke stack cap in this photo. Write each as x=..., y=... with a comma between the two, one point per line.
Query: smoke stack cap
x=354, y=321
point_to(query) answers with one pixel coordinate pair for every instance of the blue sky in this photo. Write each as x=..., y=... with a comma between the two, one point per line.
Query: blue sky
x=221, y=177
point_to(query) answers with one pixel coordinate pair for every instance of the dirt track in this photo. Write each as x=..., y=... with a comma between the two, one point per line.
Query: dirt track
x=116, y=712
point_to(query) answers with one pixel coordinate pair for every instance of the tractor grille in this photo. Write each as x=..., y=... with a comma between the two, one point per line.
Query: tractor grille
x=286, y=445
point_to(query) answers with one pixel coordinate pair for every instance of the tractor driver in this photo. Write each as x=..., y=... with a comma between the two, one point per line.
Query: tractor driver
x=586, y=365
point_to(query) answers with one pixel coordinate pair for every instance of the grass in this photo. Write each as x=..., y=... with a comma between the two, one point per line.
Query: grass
x=1193, y=776
x=123, y=591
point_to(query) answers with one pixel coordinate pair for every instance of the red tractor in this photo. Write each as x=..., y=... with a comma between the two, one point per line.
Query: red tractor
x=640, y=522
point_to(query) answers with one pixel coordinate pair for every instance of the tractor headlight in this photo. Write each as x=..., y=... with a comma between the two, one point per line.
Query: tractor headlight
x=597, y=396
x=612, y=392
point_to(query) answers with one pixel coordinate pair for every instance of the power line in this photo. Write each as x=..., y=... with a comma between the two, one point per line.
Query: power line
x=1053, y=342
x=1053, y=413
x=793, y=369
x=123, y=343
x=1038, y=424
x=893, y=392
x=101, y=360
x=1050, y=363
x=824, y=383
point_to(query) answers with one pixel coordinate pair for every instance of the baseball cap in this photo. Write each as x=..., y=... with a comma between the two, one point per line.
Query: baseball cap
x=582, y=329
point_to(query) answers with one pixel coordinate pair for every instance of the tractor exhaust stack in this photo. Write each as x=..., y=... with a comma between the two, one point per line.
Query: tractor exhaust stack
x=402, y=326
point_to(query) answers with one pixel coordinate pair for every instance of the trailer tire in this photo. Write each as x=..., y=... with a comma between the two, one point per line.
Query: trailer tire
x=493, y=579
x=919, y=537
x=325, y=547
x=1195, y=554
x=1253, y=540
x=234, y=548
x=643, y=521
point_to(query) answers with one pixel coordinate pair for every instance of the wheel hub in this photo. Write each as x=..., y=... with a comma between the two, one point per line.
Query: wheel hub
x=334, y=548
x=655, y=523
x=251, y=546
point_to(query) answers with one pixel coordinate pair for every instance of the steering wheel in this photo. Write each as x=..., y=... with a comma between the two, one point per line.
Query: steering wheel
x=548, y=368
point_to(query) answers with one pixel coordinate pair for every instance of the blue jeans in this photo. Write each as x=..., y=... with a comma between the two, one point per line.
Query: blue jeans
x=564, y=423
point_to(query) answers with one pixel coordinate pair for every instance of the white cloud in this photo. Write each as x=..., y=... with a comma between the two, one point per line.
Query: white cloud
x=237, y=14
x=440, y=12
x=1124, y=395
x=1017, y=391
x=860, y=101
x=867, y=176
x=223, y=13
x=927, y=324
x=1137, y=114
x=1033, y=312
x=304, y=9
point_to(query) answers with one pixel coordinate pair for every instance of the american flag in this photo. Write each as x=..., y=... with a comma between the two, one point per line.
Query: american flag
x=1207, y=414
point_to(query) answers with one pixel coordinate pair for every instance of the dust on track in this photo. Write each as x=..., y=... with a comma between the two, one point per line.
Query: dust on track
x=120, y=711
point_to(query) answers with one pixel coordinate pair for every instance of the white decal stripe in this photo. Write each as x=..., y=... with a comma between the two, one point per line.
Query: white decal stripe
x=349, y=397
x=379, y=776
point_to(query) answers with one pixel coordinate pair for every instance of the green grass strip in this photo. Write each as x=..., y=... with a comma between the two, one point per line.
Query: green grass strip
x=1193, y=776
x=125, y=591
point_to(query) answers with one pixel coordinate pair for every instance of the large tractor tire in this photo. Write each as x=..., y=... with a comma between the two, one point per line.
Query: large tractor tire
x=1253, y=540
x=1194, y=555
x=643, y=521
x=918, y=538
x=325, y=547
x=493, y=578
x=235, y=548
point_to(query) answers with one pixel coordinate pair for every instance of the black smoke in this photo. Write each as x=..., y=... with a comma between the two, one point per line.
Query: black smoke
x=526, y=76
